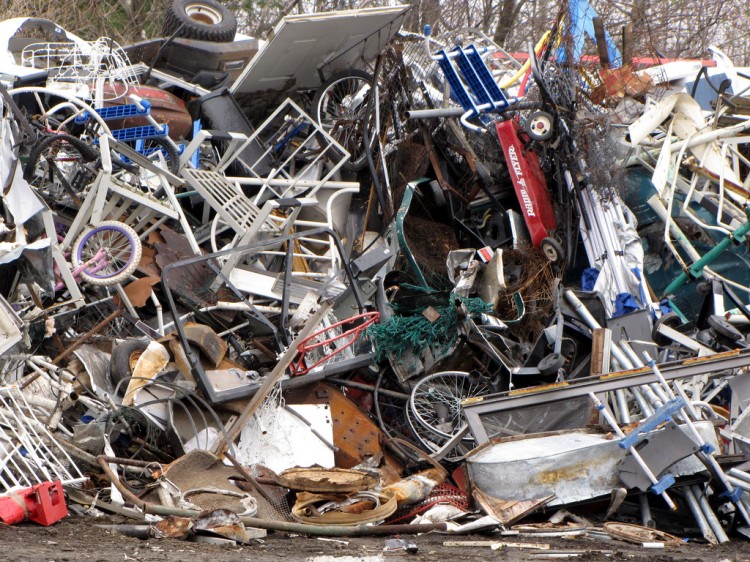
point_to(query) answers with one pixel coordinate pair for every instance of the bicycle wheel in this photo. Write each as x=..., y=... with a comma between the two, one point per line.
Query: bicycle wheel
x=150, y=148
x=111, y=252
x=57, y=167
x=436, y=400
x=433, y=442
x=340, y=106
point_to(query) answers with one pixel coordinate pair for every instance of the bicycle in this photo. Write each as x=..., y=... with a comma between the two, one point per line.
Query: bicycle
x=106, y=254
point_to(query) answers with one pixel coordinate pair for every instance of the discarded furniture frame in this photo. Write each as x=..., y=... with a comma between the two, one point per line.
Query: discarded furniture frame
x=242, y=388
x=30, y=455
x=288, y=137
x=112, y=198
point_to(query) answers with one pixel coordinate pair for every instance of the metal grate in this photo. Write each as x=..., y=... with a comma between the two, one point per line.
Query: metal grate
x=29, y=454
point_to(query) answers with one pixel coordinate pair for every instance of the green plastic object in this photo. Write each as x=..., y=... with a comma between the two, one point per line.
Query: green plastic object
x=400, y=216
x=696, y=269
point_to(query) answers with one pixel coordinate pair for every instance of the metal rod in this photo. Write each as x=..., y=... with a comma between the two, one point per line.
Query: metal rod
x=613, y=423
x=646, y=518
x=739, y=474
x=713, y=521
x=321, y=530
x=249, y=477
x=697, y=512
x=87, y=336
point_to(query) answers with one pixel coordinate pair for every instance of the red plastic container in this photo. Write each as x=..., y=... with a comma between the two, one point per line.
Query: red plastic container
x=43, y=503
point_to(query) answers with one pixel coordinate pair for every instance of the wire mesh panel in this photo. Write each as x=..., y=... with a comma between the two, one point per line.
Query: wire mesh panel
x=300, y=152
x=29, y=454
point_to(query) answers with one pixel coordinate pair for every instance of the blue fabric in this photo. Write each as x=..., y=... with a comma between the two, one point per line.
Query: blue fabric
x=582, y=16
x=666, y=306
x=588, y=278
x=625, y=303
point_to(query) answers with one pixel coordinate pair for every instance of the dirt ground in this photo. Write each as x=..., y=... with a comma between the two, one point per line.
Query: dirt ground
x=79, y=539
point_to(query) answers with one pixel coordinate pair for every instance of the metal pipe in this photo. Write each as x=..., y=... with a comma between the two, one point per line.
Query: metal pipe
x=622, y=405
x=435, y=113
x=591, y=322
x=713, y=521
x=695, y=508
x=642, y=403
x=112, y=477
x=739, y=474
x=739, y=483
x=646, y=518
x=321, y=530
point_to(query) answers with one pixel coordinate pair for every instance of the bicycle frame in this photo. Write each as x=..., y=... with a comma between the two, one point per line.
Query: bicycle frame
x=94, y=265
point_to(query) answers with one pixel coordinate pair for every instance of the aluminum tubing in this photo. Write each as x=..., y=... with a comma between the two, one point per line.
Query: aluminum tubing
x=713, y=521
x=435, y=113
x=695, y=508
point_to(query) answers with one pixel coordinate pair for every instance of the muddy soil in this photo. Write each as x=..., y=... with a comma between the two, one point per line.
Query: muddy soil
x=78, y=539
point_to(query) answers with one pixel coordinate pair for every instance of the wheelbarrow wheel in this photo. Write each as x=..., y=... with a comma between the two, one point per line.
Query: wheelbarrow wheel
x=340, y=107
x=205, y=20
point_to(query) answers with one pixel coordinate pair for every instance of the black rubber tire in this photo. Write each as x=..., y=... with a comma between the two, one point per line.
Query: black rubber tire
x=53, y=144
x=670, y=319
x=170, y=152
x=552, y=249
x=205, y=20
x=347, y=130
x=722, y=327
x=119, y=359
x=551, y=364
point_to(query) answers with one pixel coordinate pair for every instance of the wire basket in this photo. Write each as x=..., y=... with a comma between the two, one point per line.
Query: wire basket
x=83, y=65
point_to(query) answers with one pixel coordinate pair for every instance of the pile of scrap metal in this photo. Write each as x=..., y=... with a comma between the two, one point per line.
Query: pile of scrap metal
x=359, y=275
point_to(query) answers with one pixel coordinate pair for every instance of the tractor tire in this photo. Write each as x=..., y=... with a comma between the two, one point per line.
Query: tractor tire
x=205, y=20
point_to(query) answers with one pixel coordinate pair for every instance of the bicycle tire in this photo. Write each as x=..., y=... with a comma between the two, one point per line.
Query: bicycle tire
x=167, y=148
x=432, y=442
x=447, y=389
x=65, y=151
x=340, y=106
x=123, y=248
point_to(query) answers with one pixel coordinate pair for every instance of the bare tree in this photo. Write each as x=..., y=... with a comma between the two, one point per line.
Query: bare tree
x=678, y=28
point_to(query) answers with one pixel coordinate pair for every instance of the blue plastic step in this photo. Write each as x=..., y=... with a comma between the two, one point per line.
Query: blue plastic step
x=458, y=89
x=661, y=415
x=116, y=112
x=496, y=95
x=141, y=133
x=150, y=151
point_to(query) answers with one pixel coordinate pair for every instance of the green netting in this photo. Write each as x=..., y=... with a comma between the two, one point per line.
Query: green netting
x=416, y=332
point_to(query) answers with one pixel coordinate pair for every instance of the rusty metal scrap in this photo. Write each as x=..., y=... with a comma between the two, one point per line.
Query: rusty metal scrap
x=419, y=278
